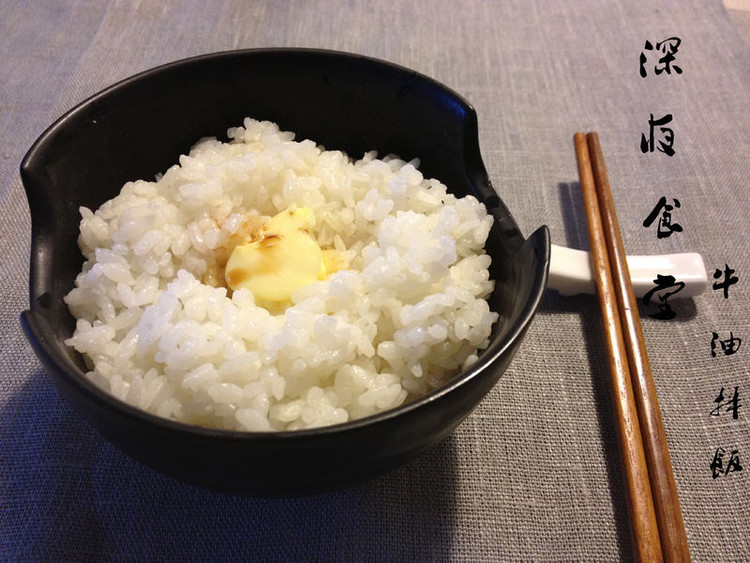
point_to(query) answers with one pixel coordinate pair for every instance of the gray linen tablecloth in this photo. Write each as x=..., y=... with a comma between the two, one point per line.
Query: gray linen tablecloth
x=534, y=472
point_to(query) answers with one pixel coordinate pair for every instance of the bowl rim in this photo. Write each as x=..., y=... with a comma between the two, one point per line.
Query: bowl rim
x=487, y=357
x=59, y=123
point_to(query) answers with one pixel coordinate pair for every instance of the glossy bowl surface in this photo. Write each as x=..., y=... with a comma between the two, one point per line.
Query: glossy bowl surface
x=139, y=127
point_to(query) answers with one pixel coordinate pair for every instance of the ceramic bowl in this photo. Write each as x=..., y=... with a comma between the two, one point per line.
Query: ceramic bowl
x=139, y=127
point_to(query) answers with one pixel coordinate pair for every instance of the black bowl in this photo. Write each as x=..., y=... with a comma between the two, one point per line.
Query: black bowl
x=139, y=127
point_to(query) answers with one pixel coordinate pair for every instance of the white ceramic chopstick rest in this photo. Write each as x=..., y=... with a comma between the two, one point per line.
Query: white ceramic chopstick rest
x=570, y=272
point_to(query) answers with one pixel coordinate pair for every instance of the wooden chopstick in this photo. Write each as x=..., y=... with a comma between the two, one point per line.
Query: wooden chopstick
x=640, y=502
x=663, y=487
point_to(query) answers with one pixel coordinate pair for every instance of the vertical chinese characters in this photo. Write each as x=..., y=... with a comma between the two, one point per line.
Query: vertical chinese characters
x=665, y=53
x=726, y=403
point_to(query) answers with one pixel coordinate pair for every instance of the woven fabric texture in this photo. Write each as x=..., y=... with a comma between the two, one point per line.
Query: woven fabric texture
x=534, y=473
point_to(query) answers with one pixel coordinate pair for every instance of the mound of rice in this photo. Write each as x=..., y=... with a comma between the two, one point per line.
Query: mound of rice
x=159, y=329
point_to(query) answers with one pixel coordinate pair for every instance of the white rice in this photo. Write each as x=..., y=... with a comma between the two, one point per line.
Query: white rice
x=407, y=313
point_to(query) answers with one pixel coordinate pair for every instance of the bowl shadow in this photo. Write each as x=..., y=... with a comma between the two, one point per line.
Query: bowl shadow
x=70, y=494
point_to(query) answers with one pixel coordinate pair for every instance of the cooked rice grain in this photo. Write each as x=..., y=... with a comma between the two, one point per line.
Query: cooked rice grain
x=159, y=331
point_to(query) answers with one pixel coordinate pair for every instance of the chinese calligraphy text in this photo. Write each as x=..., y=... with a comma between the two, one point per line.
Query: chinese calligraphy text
x=666, y=286
x=731, y=405
x=665, y=51
x=728, y=346
x=664, y=227
x=717, y=465
x=667, y=140
x=728, y=280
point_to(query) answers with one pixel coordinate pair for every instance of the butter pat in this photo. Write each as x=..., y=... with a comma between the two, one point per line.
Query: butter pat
x=284, y=257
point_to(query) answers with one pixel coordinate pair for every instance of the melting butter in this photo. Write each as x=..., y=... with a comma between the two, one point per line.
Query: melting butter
x=284, y=257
